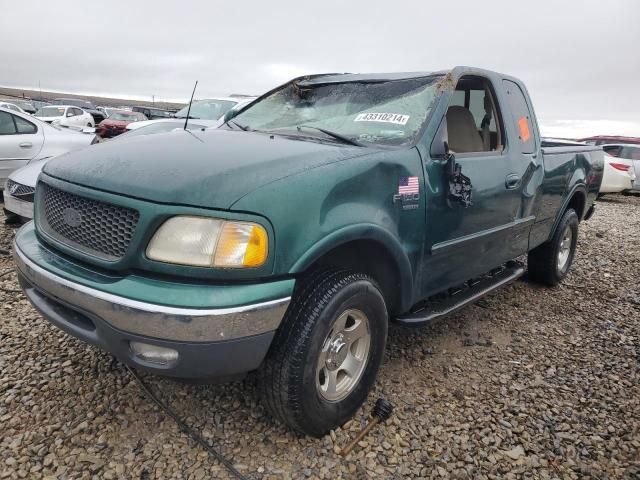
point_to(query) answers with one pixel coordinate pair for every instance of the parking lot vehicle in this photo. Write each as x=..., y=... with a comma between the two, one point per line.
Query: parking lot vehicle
x=24, y=139
x=619, y=175
x=610, y=139
x=11, y=106
x=85, y=105
x=109, y=110
x=286, y=240
x=153, y=112
x=26, y=105
x=627, y=154
x=117, y=123
x=65, y=116
x=208, y=112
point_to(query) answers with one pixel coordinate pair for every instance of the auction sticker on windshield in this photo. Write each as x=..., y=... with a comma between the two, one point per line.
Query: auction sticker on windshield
x=396, y=118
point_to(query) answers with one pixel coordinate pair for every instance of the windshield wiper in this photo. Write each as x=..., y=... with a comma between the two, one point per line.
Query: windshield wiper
x=190, y=117
x=337, y=136
x=241, y=127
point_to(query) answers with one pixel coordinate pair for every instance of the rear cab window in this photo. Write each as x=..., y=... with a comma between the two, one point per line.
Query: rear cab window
x=521, y=116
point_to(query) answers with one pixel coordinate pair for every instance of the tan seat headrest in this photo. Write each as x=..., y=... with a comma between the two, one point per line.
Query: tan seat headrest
x=463, y=132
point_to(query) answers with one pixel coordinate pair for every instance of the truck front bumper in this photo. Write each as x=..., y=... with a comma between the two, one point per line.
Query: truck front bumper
x=216, y=341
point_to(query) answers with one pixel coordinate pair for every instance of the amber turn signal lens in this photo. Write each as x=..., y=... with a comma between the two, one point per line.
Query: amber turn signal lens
x=241, y=245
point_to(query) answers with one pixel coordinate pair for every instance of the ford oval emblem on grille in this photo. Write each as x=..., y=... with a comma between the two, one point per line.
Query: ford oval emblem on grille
x=71, y=217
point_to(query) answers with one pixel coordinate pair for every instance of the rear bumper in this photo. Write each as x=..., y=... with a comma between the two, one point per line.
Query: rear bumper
x=210, y=342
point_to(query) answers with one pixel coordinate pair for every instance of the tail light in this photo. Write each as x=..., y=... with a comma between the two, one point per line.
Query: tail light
x=620, y=166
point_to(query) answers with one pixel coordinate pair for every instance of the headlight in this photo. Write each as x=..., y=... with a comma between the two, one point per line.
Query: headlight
x=209, y=242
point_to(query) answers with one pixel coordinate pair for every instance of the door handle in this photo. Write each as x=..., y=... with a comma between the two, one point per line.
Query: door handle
x=25, y=145
x=512, y=181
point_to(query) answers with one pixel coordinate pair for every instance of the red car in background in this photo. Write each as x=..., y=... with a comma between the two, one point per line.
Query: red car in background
x=604, y=139
x=117, y=123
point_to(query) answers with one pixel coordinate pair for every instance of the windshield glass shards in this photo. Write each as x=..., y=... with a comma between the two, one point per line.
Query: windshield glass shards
x=384, y=113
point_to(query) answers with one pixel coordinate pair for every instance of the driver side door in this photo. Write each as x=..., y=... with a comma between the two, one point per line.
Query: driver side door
x=467, y=240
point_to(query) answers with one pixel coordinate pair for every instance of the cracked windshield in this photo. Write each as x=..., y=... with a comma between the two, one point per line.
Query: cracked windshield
x=377, y=112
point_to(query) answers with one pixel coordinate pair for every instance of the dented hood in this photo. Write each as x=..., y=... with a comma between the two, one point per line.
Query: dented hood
x=211, y=168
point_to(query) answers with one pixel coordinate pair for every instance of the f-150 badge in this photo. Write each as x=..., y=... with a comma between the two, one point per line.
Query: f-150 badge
x=408, y=193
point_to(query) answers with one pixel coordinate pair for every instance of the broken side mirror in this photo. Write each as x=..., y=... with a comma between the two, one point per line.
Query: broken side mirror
x=460, y=188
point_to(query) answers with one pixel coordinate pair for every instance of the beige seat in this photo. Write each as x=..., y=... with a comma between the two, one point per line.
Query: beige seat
x=463, y=132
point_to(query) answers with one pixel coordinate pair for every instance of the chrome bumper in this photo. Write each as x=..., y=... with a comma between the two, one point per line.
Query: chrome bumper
x=17, y=206
x=153, y=320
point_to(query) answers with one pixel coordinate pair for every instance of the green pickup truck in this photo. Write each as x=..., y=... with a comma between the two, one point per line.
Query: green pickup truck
x=286, y=240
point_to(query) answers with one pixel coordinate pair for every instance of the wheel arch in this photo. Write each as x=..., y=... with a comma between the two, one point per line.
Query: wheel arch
x=367, y=249
x=577, y=200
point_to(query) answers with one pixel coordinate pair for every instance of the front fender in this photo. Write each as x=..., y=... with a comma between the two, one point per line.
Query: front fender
x=359, y=232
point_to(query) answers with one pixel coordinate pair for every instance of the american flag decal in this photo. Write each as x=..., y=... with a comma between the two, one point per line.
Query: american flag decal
x=408, y=185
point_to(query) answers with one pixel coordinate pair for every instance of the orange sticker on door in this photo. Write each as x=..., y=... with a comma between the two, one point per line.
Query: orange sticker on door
x=523, y=125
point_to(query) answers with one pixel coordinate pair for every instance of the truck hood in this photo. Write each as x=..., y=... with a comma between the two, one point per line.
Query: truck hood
x=210, y=168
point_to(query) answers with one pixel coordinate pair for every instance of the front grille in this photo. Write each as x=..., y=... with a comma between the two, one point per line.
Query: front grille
x=18, y=190
x=98, y=228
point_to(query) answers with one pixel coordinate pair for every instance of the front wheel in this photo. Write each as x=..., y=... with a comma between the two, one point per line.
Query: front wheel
x=549, y=263
x=326, y=354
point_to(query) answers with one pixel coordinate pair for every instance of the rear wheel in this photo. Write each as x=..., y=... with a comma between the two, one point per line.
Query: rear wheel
x=550, y=262
x=326, y=354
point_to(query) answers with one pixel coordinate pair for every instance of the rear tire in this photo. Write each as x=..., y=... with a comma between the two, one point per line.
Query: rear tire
x=326, y=353
x=550, y=262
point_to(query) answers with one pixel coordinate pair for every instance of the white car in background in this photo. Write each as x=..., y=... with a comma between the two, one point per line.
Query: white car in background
x=26, y=140
x=624, y=153
x=12, y=106
x=208, y=112
x=65, y=115
x=619, y=175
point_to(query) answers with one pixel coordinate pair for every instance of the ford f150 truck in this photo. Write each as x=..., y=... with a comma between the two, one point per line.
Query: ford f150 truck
x=287, y=239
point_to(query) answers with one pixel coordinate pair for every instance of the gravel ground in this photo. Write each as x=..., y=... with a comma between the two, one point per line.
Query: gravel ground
x=528, y=383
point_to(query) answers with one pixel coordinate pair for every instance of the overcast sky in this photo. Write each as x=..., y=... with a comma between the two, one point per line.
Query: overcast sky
x=579, y=59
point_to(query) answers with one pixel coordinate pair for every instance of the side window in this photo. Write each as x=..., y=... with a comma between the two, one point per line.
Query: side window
x=7, y=127
x=473, y=117
x=76, y=112
x=612, y=150
x=24, y=126
x=522, y=116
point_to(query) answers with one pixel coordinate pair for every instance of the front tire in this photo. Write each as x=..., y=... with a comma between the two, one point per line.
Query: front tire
x=326, y=353
x=550, y=262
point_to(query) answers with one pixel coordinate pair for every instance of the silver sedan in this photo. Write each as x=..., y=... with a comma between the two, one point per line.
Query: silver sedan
x=25, y=139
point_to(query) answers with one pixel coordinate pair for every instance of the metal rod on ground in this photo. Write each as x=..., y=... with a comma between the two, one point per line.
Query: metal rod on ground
x=381, y=413
x=185, y=428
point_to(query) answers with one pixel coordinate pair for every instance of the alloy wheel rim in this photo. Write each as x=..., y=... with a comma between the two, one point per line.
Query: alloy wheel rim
x=344, y=355
x=565, y=249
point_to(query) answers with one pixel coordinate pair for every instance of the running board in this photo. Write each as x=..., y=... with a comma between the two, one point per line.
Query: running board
x=443, y=304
